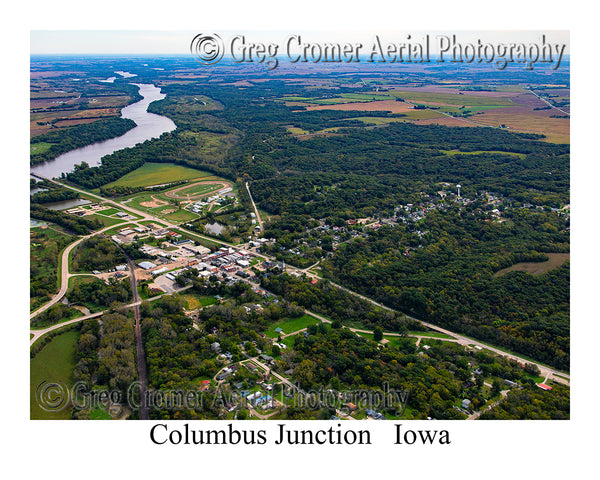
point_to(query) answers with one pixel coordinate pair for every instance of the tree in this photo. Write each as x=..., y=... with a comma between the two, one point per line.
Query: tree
x=496, y=387
x=378, y=334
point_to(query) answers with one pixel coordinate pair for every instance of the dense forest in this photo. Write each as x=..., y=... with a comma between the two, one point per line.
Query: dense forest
x=96, y=294
x=45, y=247
x=51, y=192
x=336, y=304
x=439, y=268
x=446, y=276
x=78, y=225
x=96, y=253
x=105, y=356
x=70, y=138
x=533, y=403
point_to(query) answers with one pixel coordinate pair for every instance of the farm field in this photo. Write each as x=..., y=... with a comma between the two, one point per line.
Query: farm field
x=380, y=105
x=451, y=98
x=524, y=118
x=157, y=174
x=479, y=152
x=53, y=364
x=515, y=108
x=536, y=268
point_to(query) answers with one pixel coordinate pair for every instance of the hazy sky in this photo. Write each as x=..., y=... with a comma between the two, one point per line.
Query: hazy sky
x=178, y=42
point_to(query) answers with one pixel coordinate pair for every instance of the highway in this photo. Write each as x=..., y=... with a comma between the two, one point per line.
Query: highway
x=546, y=371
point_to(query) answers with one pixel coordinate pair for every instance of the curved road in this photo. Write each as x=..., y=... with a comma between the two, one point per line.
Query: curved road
x=463, y=340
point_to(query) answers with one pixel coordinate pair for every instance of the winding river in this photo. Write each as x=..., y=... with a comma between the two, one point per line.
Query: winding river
x=149, y=125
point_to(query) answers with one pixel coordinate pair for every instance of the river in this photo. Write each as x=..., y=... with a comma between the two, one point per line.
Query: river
x=149, y=125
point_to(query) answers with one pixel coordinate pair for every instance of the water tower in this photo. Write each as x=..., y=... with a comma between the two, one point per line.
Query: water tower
x=458, y=186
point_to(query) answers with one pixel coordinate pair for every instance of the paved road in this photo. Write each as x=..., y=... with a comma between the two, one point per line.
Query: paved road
x=260, y=223
x=38, y=333
x=549, y=104
x=463, y=340
x=64, y=273
x=65, y=256
x=545, y=370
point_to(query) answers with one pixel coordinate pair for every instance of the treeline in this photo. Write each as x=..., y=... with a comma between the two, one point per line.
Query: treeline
x=533, y=403
x=177, y=355
x=45, y=247
x=447, y=278
x=97, y=294
x=336, y=304
x=172, y=147
x=78, y=136
x=54, y=195
x=341, y=360
x=122, y=190
x=106, y=355
x=78, y=225
x=55, y=314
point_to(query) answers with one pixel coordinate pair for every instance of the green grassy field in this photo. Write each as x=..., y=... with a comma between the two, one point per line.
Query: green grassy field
x=109, y=211
x=114, y=231
x=367, y=97
x=291, y=325
x=81, y=280
x=177, y=215
x=193, y=301
x=198, y=190
x=536, y=268
x=201, y=240
x=478, y=152
x=53, y=364
x=297, y=131
x=157, y=174
x=39, y=147
x=106, y=221
x=429, y=333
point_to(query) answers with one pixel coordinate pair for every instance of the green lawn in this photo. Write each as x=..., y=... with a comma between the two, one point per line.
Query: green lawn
x=202, y=241
x=53, y=364
x=106, y=221
x=108, y=211
x=297, y=131
x=81, y=280
x=39, y=147
x=198, y=190
x=157, y=174
x=291, y=325
x=429, y=333
x=99, y=414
